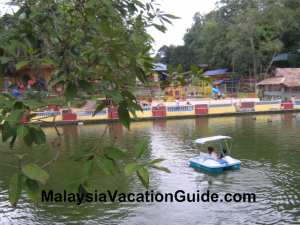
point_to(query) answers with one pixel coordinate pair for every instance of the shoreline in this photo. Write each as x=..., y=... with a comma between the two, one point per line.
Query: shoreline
x=166, y=111
x=177, y=117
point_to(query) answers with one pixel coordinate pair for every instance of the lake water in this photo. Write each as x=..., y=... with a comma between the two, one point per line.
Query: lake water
x=269, y=151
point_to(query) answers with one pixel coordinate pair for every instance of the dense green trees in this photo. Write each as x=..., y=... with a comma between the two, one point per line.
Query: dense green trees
x=240, y=34
x=176, y=55
x=84, y=40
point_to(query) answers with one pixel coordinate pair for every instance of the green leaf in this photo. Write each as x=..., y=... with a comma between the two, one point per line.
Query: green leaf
x=7, y=131
x=82, y=153
x=15, y=117
x=15, y=188
x=106, y=165
x=114, y=153
x=35, y=172
x=161, y=168
x=133, y=107
x=22, y=131
x=171, y=16
x=140, y=148
x=141, y=75
x=5, y=60
x=21, y=64
x=99, y=108
x=166, y=20
x=7, y=96
x=31, y=134
x=124, y=115
x=32, y=189
x=28, y=139
x=143, y=174
x=160, y=27
x=131, y=168
x=38, y=135
x=85, y=85
x=156, y=161
x=19, y=105
x=87, y=168
x=71, y=91
x=136, y=106
x=12, y=141
x=128, y=94
x=58, y=78
x=115, y=96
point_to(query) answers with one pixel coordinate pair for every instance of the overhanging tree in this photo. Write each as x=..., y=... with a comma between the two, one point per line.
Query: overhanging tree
x=84, y=40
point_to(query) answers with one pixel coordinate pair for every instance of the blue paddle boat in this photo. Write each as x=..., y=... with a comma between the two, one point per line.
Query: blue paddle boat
x=216, y=161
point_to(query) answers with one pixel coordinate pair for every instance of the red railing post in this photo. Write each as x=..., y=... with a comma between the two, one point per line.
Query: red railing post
x=113, y=113
x=159, y=111
x=201, y=109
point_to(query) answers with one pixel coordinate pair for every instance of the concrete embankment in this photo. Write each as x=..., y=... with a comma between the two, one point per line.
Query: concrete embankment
x=169, y=110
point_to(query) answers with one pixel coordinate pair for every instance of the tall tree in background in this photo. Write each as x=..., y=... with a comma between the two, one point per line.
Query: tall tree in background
x=242, y=34
x=176, y=55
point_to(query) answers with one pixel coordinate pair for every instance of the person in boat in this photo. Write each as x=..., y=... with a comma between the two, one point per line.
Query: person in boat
x=213, y=153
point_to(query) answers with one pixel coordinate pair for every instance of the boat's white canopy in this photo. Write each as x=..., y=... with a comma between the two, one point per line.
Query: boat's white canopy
x=210, y=139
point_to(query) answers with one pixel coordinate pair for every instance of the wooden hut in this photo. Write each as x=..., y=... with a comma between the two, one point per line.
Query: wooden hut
x=284, y=83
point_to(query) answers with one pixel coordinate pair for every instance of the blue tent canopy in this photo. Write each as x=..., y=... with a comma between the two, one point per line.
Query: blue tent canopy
x=216, y=72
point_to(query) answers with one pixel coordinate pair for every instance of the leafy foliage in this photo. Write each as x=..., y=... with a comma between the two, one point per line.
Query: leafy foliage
x=95, y=48
x=113, y=160
x=15, y=117
x=15, y=188
x=34, y=172
x=83, y=41
x=32, y=188
x=143, y=174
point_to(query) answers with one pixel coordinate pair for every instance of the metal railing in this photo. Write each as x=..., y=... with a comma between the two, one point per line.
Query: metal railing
x=268, y=102
x=90, y=113
x=47, y=113
x=297, y=102
x=220, y=105
x=147, y=108
x=186, y=108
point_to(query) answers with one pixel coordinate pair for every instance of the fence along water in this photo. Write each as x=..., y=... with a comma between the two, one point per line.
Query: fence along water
x=162, y=111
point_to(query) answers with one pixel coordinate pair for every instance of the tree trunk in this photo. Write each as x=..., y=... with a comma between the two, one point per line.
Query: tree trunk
x=253, y=57
x=269, y=66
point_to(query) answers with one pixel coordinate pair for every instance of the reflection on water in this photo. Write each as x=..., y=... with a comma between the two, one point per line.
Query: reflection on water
x=267, y=145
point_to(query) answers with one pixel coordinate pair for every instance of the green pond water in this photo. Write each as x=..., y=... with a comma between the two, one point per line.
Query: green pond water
x=269, y=151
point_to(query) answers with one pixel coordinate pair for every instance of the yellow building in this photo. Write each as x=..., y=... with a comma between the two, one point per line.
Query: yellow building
x=172, y=93
x=204, y=88
x=182, y=92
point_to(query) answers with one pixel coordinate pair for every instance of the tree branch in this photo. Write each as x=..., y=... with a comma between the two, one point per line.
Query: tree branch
x=55, y=158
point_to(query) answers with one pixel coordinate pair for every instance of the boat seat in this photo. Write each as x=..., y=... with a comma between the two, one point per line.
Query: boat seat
x=222, y=161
